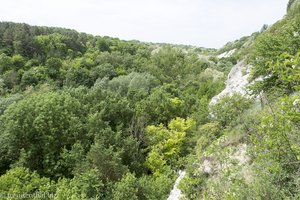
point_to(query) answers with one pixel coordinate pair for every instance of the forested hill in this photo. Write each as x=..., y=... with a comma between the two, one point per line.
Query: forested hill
x=81, y=112
x=250, y=148
x=20, y=38
x=92, y=117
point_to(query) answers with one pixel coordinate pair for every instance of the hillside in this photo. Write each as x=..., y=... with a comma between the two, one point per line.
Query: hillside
x=250, y=149
x=95, y=117
x=82, y=112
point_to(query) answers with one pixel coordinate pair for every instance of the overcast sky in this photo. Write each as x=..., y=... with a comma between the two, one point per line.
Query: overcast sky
x=208, y=23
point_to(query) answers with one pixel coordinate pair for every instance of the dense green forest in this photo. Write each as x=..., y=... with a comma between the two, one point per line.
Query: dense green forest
x=91, y=117
x=106, y=118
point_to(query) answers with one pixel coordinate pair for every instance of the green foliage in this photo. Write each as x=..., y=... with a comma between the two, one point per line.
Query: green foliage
x=166, y=144
x=270, y=131
x=107, y=162
x=53, y=67
x=201, y=113
x=278, y=140
x=18, y=61
x=162, y=105
x=6, y=101
x=18, y=181
x=51, y=120
x=168, y=62
x=126, y=189
x=272, y=173
x=146, y=187
x=285, y=75
x=76, y=76
x=233, y=184
x=111, y=119
x=291, y=4
x=75, y=108
x=53, y=45
x=229, y=108
x=34, y=76
x=133, y=84
x=83, y=186
x=2, y=87
x=155, y=188
x=192, y=186
x=115, y=110
x=6, y=63
x=237, y=44
x=206, y=134
x=275, y=54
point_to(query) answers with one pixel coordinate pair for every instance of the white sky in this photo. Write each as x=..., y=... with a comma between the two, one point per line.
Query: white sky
x=208, y=23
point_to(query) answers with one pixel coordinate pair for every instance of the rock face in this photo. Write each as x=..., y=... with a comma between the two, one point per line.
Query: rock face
x=176, y=193
x=227, y=54
x=210, y=165
x=236, y=82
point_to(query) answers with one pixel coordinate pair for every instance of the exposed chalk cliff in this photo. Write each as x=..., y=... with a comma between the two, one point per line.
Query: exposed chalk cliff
x=176, y=192
x=237, y=81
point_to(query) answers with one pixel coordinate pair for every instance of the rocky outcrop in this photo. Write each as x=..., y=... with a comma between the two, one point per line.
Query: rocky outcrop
x=226, y=54
x=176, y=192
x=211, y=166
x=237, y=81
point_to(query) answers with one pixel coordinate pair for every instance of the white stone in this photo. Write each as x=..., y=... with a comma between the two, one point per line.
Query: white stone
x=226, y=54
x=237, y=81
x=176, y=192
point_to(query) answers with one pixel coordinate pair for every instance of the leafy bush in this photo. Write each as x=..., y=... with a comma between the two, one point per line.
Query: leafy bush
x=18, y=181
x=229, y=108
